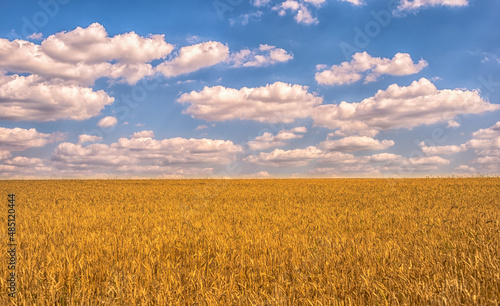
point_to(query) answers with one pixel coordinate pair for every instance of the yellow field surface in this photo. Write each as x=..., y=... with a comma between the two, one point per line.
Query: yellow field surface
x=254, y=242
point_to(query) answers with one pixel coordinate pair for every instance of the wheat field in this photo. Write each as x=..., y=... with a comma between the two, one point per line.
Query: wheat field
x=255, y=242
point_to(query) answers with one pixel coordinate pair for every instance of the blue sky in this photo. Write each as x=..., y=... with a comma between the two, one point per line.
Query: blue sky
x=260, y=88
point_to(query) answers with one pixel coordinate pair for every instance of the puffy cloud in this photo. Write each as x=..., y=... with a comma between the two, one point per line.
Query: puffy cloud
x=465, y=168
x=453, y=123
x=31, y=98
x=288, y=5
x=192, y=58
x=21, y=161
x=302, y=13
x=36, y=36
x=385, y=157
x=487, y=155
x=409, y=5
x=289, y=158
x=358, y=170
x=142, y=151
x=484, y=139
x=338, y=74
x=486, y=146
x=260, y=174
x=5, y=154
x=260, y=3
x=140, y=155
x=146, y=134
x=393, y=163
x=24, y=167
x=300, y=8
x=193, y=39
x=301, y=157
x=164, y=171
x=26, y=57
x=442, y=150
x=421, y=103
x=345, y=162
x=18, y=139
x=488, y=133
x=428, y=161
x=84, y=55
x=355, y=128
x=355, y=143
x=488, y=164
x=266, y=55
x=107, y=122
x=299, y=129
x=277, y=102
x=350, y=72
x=201, y=127
x=130, y=73
x=93, y=45
x=267, y=140
x=315, y=2
x=84, y=138
x=388, y=162
x=354, y=2
x=246, y=18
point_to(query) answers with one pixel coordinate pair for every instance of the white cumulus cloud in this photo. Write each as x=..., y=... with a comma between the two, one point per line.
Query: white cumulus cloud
x=420, y=103
x=24, y=167
x=350, y=72
x=335, y=162
x=453, y=123
x=93, y=45
x=442, y=150
x=36, y=36
x=268, y=140
x=264, y=56
x=31, y=98
x=84, y=55
x=142, y=151
x=410, y=5
x=107, y=122
x=301, y=11
x=486, y=146
x=18, y=139
x=277, y=102
x=355, y=143
x=465, y=168
x=84, y=138
x=194, y=57
x=286, y=158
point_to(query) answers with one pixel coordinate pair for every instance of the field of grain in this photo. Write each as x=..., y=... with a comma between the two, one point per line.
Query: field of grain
x=255, y=242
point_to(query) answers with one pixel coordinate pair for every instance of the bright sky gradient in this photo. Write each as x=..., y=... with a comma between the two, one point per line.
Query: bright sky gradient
x=259, y=88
